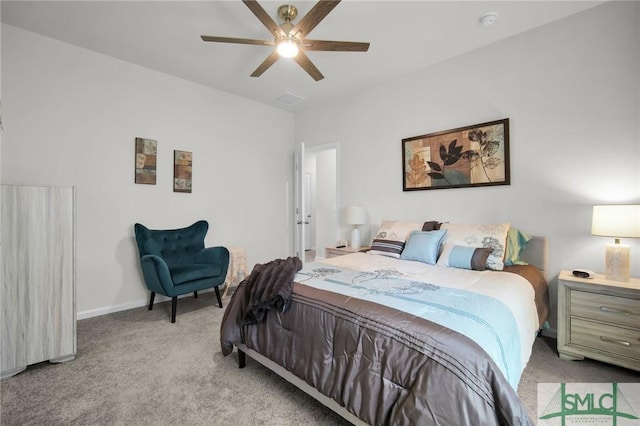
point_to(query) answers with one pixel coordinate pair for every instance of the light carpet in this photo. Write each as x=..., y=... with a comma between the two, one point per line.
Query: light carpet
x=136, y=368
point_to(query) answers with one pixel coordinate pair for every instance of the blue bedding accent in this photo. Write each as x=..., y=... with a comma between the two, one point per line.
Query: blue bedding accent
x=483, y=319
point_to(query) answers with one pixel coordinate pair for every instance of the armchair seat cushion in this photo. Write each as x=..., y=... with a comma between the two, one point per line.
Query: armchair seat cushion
x=197, y=271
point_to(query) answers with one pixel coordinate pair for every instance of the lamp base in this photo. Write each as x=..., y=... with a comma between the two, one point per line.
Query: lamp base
x=617, y=262
x=355, y=238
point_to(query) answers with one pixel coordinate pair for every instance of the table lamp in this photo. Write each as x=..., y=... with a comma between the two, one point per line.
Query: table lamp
x=618, y=221
x=356, y=216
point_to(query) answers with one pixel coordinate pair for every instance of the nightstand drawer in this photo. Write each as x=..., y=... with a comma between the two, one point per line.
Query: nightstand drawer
x=599, y=319
x=602, y=307
x=603, y=337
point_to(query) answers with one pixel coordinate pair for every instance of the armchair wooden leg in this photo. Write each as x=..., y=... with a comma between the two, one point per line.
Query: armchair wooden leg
x=195, y=294
x=218, y=296
x=242, y=359
x=174, y=304
x=153, y=296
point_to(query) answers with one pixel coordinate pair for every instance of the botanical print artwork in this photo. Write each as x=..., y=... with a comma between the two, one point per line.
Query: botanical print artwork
x=146, y=155
x=182, y=168
x=475, y=155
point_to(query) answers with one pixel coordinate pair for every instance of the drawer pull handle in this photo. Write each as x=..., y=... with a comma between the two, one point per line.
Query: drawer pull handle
x=615, y=311
x=620, y=342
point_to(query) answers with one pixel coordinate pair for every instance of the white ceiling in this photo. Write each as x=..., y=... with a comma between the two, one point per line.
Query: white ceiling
x=405, y=36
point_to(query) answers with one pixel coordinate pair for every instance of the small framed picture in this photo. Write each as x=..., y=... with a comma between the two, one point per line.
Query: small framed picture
x=146, y=156
x=182, y=166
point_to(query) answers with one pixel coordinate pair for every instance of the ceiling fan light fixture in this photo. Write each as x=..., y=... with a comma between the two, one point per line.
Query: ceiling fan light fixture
x=287, y=48
x=290, y=39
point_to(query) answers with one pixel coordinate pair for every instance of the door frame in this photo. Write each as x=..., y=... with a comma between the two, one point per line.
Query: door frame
x=313, y=150
x=298, y=201
x=309, y=242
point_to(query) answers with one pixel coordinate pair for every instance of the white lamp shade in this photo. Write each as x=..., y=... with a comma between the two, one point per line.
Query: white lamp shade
x=618, y=221
x=356, y=215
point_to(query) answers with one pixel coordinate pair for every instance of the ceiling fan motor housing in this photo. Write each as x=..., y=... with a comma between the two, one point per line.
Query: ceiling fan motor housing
x=287, y=12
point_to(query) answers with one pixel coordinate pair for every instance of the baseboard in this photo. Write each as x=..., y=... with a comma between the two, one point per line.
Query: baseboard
x=111, y=309
x=130, y=305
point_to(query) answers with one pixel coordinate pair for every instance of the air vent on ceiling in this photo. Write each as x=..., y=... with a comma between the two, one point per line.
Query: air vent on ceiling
x=288, y=98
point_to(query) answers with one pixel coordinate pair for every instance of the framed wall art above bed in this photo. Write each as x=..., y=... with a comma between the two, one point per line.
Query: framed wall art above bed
x=476, y=155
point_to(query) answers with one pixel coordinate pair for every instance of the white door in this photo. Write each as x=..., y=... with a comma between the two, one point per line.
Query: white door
x=307, y=210
x=299, y=201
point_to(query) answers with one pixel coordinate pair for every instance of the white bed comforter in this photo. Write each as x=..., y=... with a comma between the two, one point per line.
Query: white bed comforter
x=500, y=295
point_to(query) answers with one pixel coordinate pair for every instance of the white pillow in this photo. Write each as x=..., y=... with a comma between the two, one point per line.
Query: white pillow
x=492, y=236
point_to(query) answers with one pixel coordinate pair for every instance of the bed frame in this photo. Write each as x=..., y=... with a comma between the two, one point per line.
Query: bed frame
x=535, y=254
x=296, y=381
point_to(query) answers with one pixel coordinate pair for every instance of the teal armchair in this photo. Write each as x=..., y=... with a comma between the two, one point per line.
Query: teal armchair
x=175, y=262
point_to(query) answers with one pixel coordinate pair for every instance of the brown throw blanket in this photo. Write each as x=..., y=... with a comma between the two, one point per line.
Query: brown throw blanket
x=269, y=287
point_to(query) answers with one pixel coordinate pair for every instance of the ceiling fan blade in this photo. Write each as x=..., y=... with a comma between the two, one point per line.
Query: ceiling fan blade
x=304, y=61
x=264, y=17
x=335, y=46
x=313, y=18
x=237, y=40
x=271, y=59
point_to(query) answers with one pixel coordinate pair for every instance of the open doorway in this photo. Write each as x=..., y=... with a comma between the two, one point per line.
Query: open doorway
x=321, y=166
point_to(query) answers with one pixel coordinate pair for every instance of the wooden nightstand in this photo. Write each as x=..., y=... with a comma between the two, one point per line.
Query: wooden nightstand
x=599, y=319
x=335, y=251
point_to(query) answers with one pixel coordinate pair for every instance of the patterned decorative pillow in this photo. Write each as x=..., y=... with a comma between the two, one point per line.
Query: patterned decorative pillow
x=423, y=246
x=390, y=239
x=469, y=257
x=488, y=236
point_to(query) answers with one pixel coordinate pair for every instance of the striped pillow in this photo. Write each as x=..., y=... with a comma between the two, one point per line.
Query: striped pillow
x=387, y=247
x=390, y=239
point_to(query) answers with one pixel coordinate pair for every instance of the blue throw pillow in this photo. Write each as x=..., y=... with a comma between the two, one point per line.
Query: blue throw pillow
x=474, y=258
x=423, y=246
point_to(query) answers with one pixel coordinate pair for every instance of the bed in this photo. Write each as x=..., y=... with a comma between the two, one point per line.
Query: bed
x=384, y=338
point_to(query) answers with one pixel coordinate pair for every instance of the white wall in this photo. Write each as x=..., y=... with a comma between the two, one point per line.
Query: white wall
x=71, y=117
x=571, y=90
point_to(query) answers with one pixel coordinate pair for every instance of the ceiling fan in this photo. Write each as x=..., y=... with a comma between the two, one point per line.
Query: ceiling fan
x=289, y=38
